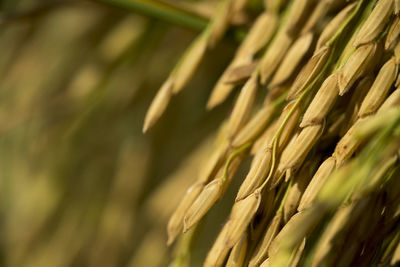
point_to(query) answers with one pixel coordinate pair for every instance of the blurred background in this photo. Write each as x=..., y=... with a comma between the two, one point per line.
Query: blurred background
x=80, y=184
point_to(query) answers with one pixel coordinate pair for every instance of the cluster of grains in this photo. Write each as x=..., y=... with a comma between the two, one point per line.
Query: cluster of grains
x=324, y=143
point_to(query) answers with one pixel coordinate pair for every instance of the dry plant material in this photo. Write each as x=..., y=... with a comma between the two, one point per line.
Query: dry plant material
x=305, y=56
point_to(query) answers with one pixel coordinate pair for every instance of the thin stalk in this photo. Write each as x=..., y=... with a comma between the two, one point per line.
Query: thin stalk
x=162, y=11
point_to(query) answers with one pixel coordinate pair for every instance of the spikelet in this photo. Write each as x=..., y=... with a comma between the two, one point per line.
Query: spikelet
x=259, y=35
x=318, y=180
x=322, y=102
x=316, y=17
x=298, y=14
x=238, y=253
x=295, y=259
x=291, y=61
x=175, y=223
x=360, y=91
x=254, y=126
x=185, y=69
x=356, y=66
x=240, y=73
x=274, y=55
x=243, y=106
x=392, y=101
x=347, y=145
x=265, y=138
x=379, y=89
x=393, y=34
x=375, y=23
x=217, y=255
x=158, y=105
x=206, y=199
x=334, y=25
x=295, y=155
x=241, y=215
x=296, y=190
x=308, y=73
x=220, y=22
x=261, y=251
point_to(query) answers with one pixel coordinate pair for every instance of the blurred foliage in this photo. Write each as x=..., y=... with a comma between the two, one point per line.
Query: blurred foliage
x=80, y=184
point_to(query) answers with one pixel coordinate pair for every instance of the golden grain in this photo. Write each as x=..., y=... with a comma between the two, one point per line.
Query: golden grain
x=261, y=251
x=238, y=253
x=334, y=25
x=308, y=73
x=241, y=215
x=274, y=55
x=379, y=89
x=295, y=155
x=393, y=34
x=356, y=66
x=292, y=59
x=259, y=35
x=217, y=255
x=322, y=102
x=375, y=23
x=206, y=199
x=158, y=105
x=298, y=13
x=240, y=73
x=243, y=106
x=318, y=180
x=254, y=126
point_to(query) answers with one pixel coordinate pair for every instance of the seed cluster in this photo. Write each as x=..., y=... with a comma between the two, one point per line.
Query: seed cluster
x=324, y=144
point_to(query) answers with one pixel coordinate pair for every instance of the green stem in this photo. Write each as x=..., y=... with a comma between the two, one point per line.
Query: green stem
x=161, y=10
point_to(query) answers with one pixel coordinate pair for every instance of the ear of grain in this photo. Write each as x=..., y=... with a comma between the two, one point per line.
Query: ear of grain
x=242, y=213
x=217, y=255
x=213, y=163
x=318, y=180
x=189, y=64
x=292, y=59
x=206, y=199
x=240, y=73
x=295, y=155
x=159, y=104
x=326, y=243
x=347, y=145
x=261, y=251
x=296, y=191
x=256, y=175
x=265, y=263
x=294, y=231
x=322, y=102
x=316, y=17
x=254, y=126
x=298, y=14
x=393, y=34
x=375, y=23
x=238, y=253
x=397, y=53
x=396, y=256
x=265, y=138
x=380, y=88
x=308, y=73
x=356, y=66
x=243, y=106
x=334, y=25
x=298, y=254
x=259, y=35
x=290, y=125
x=360, y=91
x=392, y=101
x=220, y=91
x=274, y=55
x=175, y=223
x=220, y=22
x=397, y=7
